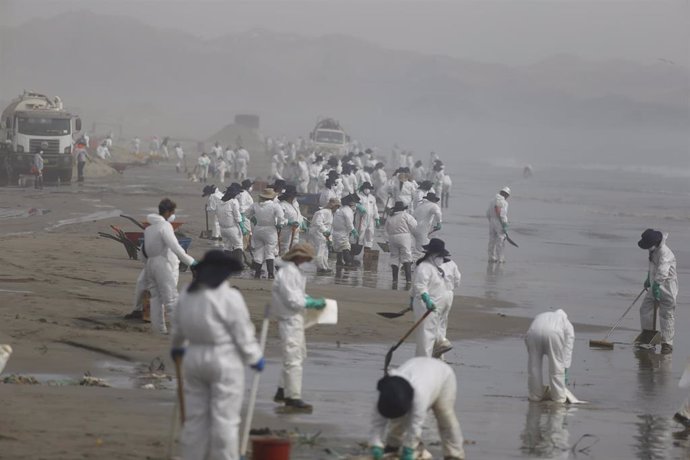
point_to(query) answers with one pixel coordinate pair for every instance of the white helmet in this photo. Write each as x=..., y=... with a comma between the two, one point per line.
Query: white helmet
x=506, y=190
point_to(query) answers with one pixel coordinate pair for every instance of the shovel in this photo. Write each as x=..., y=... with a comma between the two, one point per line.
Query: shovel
x=391, y=315
x=605, y=344
x=509, y=240
x=180, y=387
x=649, y=336
x=385, y=247
x=389, y=355
x=133, y=220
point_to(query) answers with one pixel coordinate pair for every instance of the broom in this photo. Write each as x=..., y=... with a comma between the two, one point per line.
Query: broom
x=605, y=344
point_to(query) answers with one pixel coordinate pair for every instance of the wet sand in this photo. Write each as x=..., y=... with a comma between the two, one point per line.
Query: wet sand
x=61, y=283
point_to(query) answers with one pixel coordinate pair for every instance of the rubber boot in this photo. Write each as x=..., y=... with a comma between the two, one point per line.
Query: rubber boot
x=269, y=268
x=407, y=266
x=238, y=254
x=297, y=405
x=394, y=269
x=279, y=396
x=257, y=270
x=339, y=259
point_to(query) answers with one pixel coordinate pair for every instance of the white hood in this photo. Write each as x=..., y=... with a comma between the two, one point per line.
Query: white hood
x=155, y=219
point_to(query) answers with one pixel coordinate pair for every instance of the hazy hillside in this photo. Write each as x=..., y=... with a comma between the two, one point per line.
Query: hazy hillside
x=165, y=82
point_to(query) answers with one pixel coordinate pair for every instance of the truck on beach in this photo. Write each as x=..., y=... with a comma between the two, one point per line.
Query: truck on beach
x=35, y=122
x=328, y=137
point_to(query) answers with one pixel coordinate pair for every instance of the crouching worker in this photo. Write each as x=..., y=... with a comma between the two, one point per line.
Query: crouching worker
x=287, y=305
x=550, y=334
x=405, y=397
x=212, y=330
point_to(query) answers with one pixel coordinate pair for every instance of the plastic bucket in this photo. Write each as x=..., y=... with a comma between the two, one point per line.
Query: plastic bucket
x=267, y=448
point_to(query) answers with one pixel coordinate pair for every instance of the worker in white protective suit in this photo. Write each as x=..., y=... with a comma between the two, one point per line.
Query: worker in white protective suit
x=368, y=221
x=452, y=277
x=344, y=229
x=203, y=164
x=406, y=395
x=662, y=287
x=379, y=180
x=400, y=227
x=267, y=217
x=163, y=255
x=232, y=226
x=498, y=225
x=242, y=159
x=430, y=292
x=429, y=217
x=328, y=192
x=404, y=189
x=423, y=189
x=215, y=339
x=245, y=197
x=314, y=172
x=288, y=301
x=320, y=231
x=139, y=295
x=303, y=174
x=214, y=196
x=418, y=172
x=295, y=223
x=551, y=335
x=181, y=159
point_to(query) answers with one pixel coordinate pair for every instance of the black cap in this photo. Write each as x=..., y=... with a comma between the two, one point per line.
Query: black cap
x=650, y=238
x=436, y=246
x=395, y=396
x=432, y=197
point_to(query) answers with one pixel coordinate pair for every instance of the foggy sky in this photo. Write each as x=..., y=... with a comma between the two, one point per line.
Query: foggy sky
x=505, y=31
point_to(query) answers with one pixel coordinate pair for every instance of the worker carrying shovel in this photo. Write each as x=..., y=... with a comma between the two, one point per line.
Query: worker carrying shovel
x=662, y=288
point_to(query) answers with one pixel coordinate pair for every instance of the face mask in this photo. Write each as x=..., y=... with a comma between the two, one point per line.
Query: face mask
x=251, y=189
x=171, y=219
x=438, y=260
x=367, y=192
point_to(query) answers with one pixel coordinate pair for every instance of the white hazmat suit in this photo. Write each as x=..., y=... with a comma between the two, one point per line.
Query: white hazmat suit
x=400, y=226
x=452, y=277
x=229, y=218
x=212, y=207
x=368, y=219
x=343, y=224
x=435, y=388
x=428, y=216
x=550, y=334
x=220, y=343
x=293, y=217
x=321, y=225
x=163, y=253
x=268, y=214
x=428, y=278
x=498, y=221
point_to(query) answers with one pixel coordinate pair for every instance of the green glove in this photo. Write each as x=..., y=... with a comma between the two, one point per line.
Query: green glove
x=407, y=453
x=505, y=227
x=437, y=227
x=360, y=207
x=426, y=298
x=304, y=225
x=377, y=452
x=279, y=227
x=647, y=284
x=316, y=304
x=326, y=234
x=656, y=291
x=377, y=221
x=354, y=233
x=244, y=229
x=567, y=376
x=253, y=220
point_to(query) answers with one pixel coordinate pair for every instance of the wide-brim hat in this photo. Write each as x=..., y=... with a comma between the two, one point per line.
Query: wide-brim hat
x=436, y=246
x=247, y=183
x=231, y=192
x=425, y=185
x=431, y=196
x=398, y=206
x=215, y=267
x=506, y=190
x=268, y=194
x=304, y=250
x=279, y=184
x=290, y=192
x=395, y=396
x=650, y=238
x=208, y=190
x=349, y=199
x=366, y=185
x=333, y=203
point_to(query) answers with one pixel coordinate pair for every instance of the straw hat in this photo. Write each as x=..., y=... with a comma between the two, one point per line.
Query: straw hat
x=305, y=250
x=267, y=194
x=333, y=203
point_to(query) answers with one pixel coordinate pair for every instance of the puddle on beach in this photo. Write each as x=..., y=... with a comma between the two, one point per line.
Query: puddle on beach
x=15, y=213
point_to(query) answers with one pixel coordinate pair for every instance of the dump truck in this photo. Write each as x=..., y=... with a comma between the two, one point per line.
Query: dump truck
x=329, y=137
x=35, y=122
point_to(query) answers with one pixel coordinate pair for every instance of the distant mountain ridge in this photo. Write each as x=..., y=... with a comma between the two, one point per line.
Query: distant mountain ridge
x=163, y=80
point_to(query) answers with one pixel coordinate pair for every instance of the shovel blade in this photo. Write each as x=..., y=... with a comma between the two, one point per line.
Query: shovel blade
x=648, y=337
x=384, y=246
x=356, y=249
x=390, y=315
x=603, y=344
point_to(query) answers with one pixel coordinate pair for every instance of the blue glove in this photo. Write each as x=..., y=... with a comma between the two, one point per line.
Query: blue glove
x=647, y=284
x=354, y=233
x=316, y=304
x=567, y=376
x=259, y=365
x=407, y=453
x=656, y=291
x=377, y=452
x=437, y=227
x=360, y=207
x=377, y=221
x=176, y=353
x=426, y=298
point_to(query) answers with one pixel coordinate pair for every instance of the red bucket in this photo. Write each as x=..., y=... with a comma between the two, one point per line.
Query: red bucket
x=266, y=448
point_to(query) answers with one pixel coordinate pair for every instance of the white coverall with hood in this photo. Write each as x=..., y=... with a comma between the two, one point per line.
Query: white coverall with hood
x=435, y=388
x=288, y=300
x=229, y=218
x=662, y=270
x=550, y=334
x=452, y=278
x=241, y=164
x=326, y=194
x=221, y=342
x=400, y=227
x=498, y=217
x=292, y=214
x=368, y=226
x=379, y=180
x=404, y=192
x=427, y=215
x=163, y=253
x=428, y=278
x=265, y=235
x=343, y=224
x=212, y=207
x=321, y=222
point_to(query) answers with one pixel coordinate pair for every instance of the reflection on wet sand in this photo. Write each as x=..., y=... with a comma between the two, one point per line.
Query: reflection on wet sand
x=545, y=434
x=654, y=378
